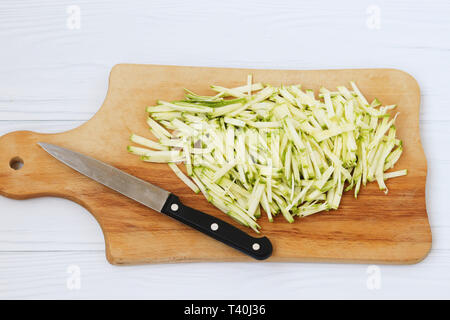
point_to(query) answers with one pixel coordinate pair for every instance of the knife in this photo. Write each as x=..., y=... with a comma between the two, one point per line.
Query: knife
x=162, y=201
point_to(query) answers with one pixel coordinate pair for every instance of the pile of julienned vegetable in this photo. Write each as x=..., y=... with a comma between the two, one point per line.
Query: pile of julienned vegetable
x=276, y=148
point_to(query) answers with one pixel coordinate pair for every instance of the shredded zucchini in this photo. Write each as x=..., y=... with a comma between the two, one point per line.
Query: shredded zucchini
x=279, y=149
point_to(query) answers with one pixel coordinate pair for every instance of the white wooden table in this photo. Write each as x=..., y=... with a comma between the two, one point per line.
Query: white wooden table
x=55, y=57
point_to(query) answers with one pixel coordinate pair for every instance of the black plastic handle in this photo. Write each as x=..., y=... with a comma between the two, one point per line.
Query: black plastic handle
x=258, y=248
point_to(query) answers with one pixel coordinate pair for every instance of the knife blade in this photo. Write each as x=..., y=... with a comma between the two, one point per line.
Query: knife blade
x=162, y=201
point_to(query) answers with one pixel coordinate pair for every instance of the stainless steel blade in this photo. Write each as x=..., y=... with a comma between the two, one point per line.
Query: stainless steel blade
x=122, y=182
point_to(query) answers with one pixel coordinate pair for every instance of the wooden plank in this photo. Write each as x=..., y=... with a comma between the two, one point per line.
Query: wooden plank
x=44, y=275
x=65, y=73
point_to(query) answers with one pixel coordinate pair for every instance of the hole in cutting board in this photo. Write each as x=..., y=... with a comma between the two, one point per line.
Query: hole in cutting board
x=16, y=163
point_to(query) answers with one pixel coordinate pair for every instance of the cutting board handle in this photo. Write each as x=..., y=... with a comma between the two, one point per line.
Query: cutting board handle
x=26, y=171
x=18, y=151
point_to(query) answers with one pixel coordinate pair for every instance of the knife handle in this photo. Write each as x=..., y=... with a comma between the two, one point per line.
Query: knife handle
x=258, y=248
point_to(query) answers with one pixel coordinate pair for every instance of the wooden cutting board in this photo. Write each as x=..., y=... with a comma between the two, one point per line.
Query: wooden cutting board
x=375, y=228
